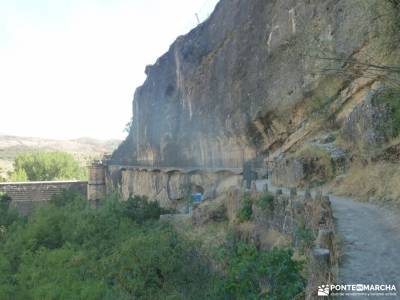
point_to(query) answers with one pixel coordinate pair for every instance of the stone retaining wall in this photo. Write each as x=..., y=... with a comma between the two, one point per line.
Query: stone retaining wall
x=28, y=195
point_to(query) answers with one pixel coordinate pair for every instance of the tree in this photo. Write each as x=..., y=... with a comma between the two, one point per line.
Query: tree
x=2, y=179
x=68, y=250
x=46, y=166
x=7, y=215
x=18, y=176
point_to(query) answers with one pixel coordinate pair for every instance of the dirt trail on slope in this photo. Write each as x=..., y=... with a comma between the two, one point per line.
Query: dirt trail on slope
x=370, y=238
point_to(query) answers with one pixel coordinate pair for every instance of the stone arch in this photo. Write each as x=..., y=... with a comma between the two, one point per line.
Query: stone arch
x=172, y=171
x=196, y=188
x=195, y=171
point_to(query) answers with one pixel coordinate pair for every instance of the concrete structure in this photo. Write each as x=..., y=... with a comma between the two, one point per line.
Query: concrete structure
x=96, y=188
x=170, y=186
x=28, y=195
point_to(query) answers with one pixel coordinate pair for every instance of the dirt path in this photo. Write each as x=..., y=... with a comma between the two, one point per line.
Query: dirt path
x=370, y=238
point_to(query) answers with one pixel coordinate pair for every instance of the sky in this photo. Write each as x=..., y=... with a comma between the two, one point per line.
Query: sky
x=69, y=68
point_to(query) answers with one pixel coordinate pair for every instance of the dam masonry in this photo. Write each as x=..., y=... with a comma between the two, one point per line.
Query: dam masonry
x=170, y=186
x=26, y=196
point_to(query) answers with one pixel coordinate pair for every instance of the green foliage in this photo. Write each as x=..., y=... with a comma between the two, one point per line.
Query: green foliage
x=7, y=215
x=46, y=166
x=391, y=97
x=140, y=209
x=69, y=250
x=266, y=202
x=5, y=200
x=257, y=274
x=19, y=176
x=67, y=196
x=304, y=237
x=395, y=3
x=246, y=211
x=2, y=178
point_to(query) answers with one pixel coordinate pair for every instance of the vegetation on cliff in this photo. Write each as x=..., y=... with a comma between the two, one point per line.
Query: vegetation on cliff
x=69, y=250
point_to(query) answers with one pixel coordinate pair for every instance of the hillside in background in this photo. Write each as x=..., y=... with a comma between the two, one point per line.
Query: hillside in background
x=83, y=149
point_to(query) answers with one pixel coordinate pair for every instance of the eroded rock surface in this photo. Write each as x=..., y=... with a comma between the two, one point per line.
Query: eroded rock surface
x=248, y=80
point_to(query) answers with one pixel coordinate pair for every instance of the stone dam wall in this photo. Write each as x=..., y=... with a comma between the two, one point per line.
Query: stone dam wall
x=169, y=187
x=28, y=195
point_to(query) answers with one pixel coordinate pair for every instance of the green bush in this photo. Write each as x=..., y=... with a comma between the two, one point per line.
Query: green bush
x=46, y=166
x=67, y=196
x=395, y=3
x=7, y=215
x=141, y=209
x=246, y=211
x=266, y=202
x=257, y=274
x=69, y=250
x=304, y=237
x=391, y=97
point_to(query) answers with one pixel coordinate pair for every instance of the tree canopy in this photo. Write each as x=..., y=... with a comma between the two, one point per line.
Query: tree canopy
x=47, y=166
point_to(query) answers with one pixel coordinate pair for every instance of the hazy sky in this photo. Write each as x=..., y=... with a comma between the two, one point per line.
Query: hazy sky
x=69, y=68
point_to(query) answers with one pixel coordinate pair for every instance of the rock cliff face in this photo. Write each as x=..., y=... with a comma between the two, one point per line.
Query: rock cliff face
x=256, y=77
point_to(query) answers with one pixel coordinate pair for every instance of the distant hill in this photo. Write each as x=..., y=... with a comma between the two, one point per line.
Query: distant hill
x=84, y=149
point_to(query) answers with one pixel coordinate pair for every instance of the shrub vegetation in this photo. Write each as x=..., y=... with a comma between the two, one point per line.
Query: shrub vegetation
x=266, y=202
x=68, y=250
x=246, y=211
x=391, y=98
x=255, y=274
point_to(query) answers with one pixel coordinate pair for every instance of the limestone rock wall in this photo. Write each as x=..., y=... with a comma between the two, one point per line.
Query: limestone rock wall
x=288, y=172
x=370, y=122
x=242, y=82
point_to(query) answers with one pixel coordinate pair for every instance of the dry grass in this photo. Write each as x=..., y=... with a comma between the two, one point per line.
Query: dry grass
x=265, y=238
x=311, y=151
x=378, y=181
